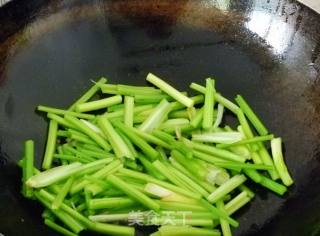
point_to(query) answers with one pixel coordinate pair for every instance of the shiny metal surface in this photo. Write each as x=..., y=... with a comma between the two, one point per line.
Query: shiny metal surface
x=267, y=50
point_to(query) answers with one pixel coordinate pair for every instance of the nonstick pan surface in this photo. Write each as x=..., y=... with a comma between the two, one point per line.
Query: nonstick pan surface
x=266, y=50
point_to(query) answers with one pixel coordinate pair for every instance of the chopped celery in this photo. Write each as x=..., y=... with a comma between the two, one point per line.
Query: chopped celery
x=152, y=153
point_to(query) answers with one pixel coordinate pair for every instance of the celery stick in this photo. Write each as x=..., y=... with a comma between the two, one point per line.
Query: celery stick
x=150, y=169
x=173, y=123
x=98, y=104
x=220, y=99
x=135, y=194
x=89, y=94
x=128, y=111
x=164, y=184
x=247, y=141
x=153, y=98
x=64, y=112
x=179, y=114
x=110, y=229
x=148, y=150
x=171, y=91
x=85, y=129
x=207, y=120
x=281, y=167
x=119, y=146
x=196, y=100
x=62, y=194
x=51, y=144
x=216, y=152
x=255, y=121
x=267, y=160
x=155, y=119
x=237, y=202
x=60, y=120
x=28, y=166
x=105, y=203
x=197, y=119
x=219, y=117
x=226, y=188
x=63, y=216
x=106, y=170
x=226, y=231
x=76, y=215
x=151, y=138
x=58, y=228
x=218, y=137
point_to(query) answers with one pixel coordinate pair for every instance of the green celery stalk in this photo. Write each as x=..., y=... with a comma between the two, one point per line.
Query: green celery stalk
x=105, y=171
x=267, y=160
x=151, y=170
x=110, y=229
x=85, y=129
x=89, y=94
x=115, y=202
x=119, y=146
x=247, y=141
x=109, y=217
x=58, y=228
x=226, y=231
x=171, y=91
x=64, y=112
x=173, y=123
x=152, y=98
x=215, y=151
x=98, y=104
x=62, y=194
x=220, y=99
x=76, y=215
x=207, y=120
x=51, y=144
x=196, y=100
x=276, y=149
x=135, y=194
x=155, y=119
x=128, y=111
x=219, y=117
x=226, y=188
x=179, y=114
x=255, y=121
x=148, y=150
x=60, y=120
x=226, y=103
x=164, y=184
x=237, y=202
x=63, y=216
x=197, y=119
x=28, y=167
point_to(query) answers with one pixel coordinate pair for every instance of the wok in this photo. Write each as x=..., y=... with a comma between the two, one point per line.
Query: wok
x=267, y=50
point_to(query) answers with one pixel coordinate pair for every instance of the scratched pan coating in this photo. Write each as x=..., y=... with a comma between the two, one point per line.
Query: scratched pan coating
x=266, y=50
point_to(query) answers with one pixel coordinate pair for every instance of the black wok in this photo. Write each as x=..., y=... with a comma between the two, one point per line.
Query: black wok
x=267, y=50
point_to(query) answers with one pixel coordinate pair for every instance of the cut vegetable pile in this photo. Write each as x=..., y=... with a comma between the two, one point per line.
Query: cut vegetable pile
x=152, y=156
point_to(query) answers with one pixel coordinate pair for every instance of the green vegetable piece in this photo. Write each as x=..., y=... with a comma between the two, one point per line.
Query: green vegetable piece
x=98, y=104
x=89, y=94
x=255, y=121
x=281, y=167
x=28, y=166
x=207, y=120
x=51, y=144
x=226, y=188
x=171, y=91
x=135, y=194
